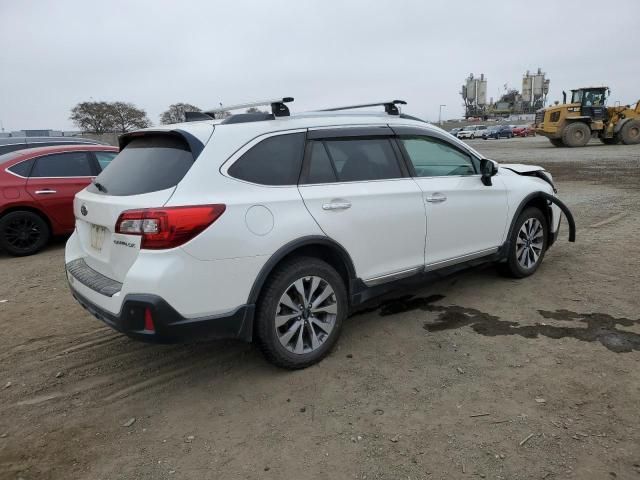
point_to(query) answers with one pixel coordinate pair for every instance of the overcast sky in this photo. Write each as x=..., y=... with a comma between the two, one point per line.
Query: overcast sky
x=54, y=54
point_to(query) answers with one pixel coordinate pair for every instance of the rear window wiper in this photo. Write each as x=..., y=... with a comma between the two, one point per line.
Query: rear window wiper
x=99, y=186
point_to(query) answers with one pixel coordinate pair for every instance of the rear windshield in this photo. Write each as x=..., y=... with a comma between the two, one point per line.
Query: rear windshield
x=146, y=164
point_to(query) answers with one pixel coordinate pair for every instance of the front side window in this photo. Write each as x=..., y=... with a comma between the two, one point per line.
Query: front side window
x=353, y=160
x=434, y=158
x=68, y=164
x=275, y=160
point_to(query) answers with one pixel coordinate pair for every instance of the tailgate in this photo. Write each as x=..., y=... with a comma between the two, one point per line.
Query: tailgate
x=107, y=252
x=143, y=175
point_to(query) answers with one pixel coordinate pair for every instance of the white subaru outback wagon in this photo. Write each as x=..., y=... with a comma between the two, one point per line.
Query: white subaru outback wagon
x=271, y=227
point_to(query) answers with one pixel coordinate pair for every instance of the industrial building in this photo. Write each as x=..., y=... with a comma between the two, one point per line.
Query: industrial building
x=512, y=103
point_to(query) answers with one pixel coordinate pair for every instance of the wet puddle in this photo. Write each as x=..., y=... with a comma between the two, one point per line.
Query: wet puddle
x=590, y=327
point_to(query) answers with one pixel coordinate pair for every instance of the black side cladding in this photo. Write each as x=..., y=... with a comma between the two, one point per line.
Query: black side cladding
x=566, y=211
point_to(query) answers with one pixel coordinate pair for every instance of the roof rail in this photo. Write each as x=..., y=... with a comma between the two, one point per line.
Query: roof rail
x=278, y=107
x=389, y=106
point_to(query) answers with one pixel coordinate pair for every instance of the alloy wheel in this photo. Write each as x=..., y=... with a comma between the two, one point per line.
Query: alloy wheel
x=306, y=315
x=22, y=233
x=529, y=243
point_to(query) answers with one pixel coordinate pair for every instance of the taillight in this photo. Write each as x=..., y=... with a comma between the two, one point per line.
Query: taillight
x=167, y=227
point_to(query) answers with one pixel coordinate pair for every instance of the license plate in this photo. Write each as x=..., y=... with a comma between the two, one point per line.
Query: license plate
x=97, y=236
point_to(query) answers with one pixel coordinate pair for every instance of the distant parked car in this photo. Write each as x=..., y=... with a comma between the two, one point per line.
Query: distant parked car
x=38, y=186
x=497, y=132
x=454, y=131
x=523, y=131
x=11, y=144
x=472, y=131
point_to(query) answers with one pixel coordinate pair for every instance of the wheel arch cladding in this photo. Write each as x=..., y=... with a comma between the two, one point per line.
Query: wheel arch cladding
x=541, y=201
x=314, y=246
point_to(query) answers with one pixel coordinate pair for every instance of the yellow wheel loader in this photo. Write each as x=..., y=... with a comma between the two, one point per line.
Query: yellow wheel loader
x=573, y=124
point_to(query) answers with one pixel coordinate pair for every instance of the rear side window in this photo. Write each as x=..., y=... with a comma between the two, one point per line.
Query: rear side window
x=69, y=164
x=146, y=164
x=353, y=160
x=23, y=168
x=274, y=161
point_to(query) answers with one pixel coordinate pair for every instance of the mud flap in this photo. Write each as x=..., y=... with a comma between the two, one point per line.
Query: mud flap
x=567, y=213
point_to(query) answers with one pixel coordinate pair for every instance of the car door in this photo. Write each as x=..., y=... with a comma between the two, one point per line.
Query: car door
x=465, y=218
x=356, y=186
x=54, y=181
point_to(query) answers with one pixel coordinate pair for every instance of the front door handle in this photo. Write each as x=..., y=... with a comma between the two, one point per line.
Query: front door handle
x=436, y=198
x=45, y=192
x=336, y=206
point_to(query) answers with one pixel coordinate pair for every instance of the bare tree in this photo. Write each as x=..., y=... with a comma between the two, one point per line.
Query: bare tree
x=94, y=117
x=175, y=113
x=103, y=117
x=224, y=114
x=126, y=116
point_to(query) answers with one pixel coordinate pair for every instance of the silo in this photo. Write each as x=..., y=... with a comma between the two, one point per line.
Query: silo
x=471, y=88
x=527, y=87
x=538, y=84
x=482, y=91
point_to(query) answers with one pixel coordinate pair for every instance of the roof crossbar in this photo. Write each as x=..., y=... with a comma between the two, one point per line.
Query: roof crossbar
x=389, y=106
x=278, y=107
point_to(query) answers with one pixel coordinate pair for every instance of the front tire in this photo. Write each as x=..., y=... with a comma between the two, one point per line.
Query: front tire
x=527, y=245
x=300, y=313
x=556, y=142
x=23, y=233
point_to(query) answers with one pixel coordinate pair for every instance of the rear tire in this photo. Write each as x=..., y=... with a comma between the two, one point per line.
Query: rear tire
x=630, y=133
x=23, y=233
x=576, y=134
x=300, y=313
x=556, y=142
x=527, y=244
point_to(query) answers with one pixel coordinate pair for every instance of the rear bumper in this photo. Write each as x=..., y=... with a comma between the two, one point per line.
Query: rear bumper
x=169, y=325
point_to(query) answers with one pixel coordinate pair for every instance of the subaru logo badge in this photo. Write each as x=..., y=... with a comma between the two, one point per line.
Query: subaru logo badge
x=83, y=210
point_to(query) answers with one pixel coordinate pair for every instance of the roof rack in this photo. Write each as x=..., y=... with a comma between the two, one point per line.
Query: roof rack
x=278, y=107
x=389, y=106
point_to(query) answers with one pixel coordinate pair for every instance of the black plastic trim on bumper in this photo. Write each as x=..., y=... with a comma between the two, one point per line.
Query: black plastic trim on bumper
x=87, y=276
x=170, y=326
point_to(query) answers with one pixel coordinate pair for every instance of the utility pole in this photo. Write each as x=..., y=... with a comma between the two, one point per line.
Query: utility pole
x=440, y=115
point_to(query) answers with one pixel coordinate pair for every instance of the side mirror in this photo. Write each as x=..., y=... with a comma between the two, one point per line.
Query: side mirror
x=488, y=169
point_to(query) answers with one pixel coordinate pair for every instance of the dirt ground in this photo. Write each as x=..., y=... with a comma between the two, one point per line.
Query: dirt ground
x=476, y=376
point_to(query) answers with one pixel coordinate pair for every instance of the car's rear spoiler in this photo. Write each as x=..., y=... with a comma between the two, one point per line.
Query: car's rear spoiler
x=196, y=145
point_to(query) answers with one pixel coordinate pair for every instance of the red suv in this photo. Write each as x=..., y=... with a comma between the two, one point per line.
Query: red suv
x=37, y=187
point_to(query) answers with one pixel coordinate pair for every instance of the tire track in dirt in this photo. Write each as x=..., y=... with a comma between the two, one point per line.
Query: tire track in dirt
x=141, y=373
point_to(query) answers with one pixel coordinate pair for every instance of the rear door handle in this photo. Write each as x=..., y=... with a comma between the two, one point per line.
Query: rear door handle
x=436, y=198
x=45, y=192
x=336, y=206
